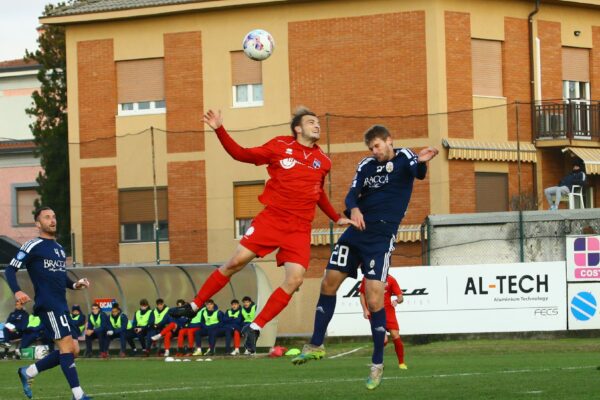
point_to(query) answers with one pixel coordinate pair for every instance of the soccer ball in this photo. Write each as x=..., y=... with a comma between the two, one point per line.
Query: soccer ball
x=258, y=45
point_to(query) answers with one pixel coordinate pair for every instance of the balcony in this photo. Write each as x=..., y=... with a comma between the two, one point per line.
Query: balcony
x=567, y=120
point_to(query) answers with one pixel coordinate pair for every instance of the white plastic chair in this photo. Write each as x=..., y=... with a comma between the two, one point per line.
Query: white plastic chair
x=576, y=197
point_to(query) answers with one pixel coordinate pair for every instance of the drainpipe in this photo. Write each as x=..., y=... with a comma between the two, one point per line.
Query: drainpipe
x=532, y=87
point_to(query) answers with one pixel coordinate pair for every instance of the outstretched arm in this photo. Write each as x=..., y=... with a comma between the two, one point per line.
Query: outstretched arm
x=325, y=205
x=253, y=155
x=427, y=154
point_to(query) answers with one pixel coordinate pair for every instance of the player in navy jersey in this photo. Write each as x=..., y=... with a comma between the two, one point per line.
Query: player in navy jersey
x=44, y=260
x=376, y=202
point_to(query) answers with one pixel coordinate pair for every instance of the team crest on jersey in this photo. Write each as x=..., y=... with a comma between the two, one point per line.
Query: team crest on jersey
x=21, y=255
x=288, y=163
x=389, y=167
x=316, y=164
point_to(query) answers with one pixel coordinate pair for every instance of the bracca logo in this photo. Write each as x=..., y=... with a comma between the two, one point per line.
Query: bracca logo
x=583, y=306
x=511, y=284
x=354, y=292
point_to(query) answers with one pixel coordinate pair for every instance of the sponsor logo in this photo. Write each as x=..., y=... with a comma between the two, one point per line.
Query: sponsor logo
x=583, y=306
x=288, y=151
x=389, y=167
x=376, y=181
x=21, y=255
x=354, y=292
x=105, y=303
x=287, y=163
x=320, y=309
x=380, y=329
x=54, y=265
x=507, y=284
x=316, y=164
x=546, y=311
x=371, y=272
x=586, y=257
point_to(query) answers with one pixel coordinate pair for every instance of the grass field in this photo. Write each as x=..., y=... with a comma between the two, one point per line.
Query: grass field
x=475, y=369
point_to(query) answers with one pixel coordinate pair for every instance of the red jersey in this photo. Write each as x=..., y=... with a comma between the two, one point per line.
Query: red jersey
x=297, y=174
x=391, y=289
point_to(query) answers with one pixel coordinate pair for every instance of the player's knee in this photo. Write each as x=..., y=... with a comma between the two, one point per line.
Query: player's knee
x=374, y=305
x=294, y=282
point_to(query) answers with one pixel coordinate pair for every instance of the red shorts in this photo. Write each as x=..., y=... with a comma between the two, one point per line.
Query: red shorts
x=273, y=229
x=391, y=322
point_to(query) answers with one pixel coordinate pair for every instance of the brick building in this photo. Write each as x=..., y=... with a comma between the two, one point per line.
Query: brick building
x=451, y=74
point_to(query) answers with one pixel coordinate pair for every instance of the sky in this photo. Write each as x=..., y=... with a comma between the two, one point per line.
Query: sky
x=18, y=23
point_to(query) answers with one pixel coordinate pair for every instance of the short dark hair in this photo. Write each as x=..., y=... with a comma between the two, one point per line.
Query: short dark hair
x=376, y=132
x=39, y=210
x=235, y=301
x=95, y=305
x=180, y=301
x=116, y=306
x=297, y=118
x=160, y=301
x=144, y=302
x=210, y=301
x=246, y=298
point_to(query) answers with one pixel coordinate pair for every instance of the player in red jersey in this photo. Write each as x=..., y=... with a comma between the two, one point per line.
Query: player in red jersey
x=391, y=323
x=297, y=169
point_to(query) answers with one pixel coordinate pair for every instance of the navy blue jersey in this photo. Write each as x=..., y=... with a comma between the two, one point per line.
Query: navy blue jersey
x=44, y=260
x=382, y=190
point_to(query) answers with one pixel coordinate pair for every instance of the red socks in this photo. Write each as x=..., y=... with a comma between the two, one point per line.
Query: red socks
x=215, y=282
x=399, y=346
x=277, y=302
x=236, y=339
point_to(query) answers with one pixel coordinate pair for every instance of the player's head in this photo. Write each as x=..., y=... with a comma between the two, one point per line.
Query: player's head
x=144, y=304
x=18, y=305
x=160, y=304
x=116, y=310
x=246, y=301
x=235, y=304
x=379, y=142
x=305, y=124
x=95, y=308
x=75, y=310
x=45, y=220
x=180, y=302
x=210, y=304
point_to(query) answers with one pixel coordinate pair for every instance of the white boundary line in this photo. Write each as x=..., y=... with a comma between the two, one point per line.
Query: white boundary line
x=348, y=352
x=307, y=381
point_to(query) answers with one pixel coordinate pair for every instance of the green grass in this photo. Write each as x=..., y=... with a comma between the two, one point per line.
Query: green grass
x=474, y=369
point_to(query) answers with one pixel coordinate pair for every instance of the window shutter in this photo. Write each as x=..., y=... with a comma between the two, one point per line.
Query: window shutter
x=486, y=58
x=140, y=80
x=491, y=192
x=575, y=64
x=25, y=208
x=244, y=71
x=245, y=198
x=138, y=205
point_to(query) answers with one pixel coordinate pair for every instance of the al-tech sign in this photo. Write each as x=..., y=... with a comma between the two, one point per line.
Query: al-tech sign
x=583, y=258
x=466, y=298
x=583, y=300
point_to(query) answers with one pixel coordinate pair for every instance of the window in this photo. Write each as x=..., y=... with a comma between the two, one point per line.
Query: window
x=140, y=87
x=576, y=89
x=486, y=62
x=23, y=199
x=491, y=192
x=246, y=78
x=136, y=215
x=246, y=204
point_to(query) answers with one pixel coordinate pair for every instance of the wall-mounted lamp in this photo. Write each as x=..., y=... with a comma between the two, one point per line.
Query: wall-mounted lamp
x=577, y=33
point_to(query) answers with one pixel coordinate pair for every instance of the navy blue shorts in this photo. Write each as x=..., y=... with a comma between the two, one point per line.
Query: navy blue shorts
x=370, y=250
x=57, y=325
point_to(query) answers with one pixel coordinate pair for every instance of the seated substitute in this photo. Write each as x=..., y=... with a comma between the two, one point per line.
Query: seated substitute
x=97, y=326
x=565, y=186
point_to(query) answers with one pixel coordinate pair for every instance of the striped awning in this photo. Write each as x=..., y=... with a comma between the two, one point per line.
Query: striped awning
x=590, y=157
x=466, y=149
x=406, y=233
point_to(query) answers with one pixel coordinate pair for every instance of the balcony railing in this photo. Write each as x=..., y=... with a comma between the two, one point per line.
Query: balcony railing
x=569, y=119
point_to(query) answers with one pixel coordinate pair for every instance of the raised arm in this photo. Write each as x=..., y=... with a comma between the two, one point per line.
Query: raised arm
x=254, y=155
